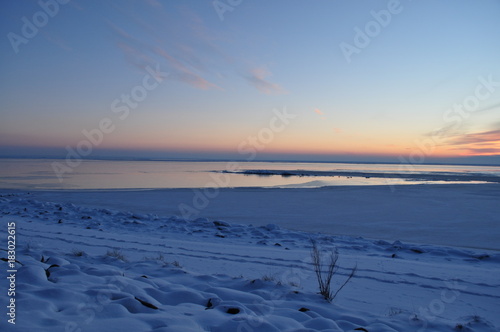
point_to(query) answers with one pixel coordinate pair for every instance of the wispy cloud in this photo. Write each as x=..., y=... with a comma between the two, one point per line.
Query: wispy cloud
x=194, y=57
x=135, y=57
x=184, y=74
x=483, y=151
x=154, y=3
x=257, y=78
x=337, y=130
x=179, y=58
x=135, y=51
x=487, y=137
x=321, y=114
x=56, y=40
x=121, y=32
x=482, y=143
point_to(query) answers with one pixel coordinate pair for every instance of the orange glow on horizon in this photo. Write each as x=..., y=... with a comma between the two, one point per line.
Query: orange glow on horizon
x=284, y=143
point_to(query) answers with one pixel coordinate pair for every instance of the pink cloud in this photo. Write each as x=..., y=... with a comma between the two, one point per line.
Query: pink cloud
x=482, y=143
x=182, y=73
x=257, y=78
x=140, y=55
x=484, y=137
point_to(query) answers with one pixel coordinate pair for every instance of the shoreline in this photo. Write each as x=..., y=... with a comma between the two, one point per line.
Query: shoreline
x=372, y=212
x=332, y=187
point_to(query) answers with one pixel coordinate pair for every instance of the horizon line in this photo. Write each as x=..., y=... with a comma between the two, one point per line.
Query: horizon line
x=225, y=159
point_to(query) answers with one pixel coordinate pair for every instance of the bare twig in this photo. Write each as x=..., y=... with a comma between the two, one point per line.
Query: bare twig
x=325, y=277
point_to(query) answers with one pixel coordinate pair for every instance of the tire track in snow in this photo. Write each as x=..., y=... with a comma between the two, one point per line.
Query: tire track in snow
x=258, y=260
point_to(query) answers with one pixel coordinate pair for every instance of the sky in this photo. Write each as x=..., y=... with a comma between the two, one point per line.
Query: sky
x=403, y=81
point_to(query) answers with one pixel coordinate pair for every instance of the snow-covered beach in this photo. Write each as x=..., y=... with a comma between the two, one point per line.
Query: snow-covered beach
x=250, y=166
x=464, y=215
x=128, y=260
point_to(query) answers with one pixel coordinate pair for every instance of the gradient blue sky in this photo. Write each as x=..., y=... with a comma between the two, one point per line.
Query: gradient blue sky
x=397, y=98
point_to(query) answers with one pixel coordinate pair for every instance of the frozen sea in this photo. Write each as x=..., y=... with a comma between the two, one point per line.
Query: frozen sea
x=43, y=174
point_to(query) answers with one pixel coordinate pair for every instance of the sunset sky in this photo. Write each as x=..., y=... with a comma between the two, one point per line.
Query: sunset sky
x=312, y=80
